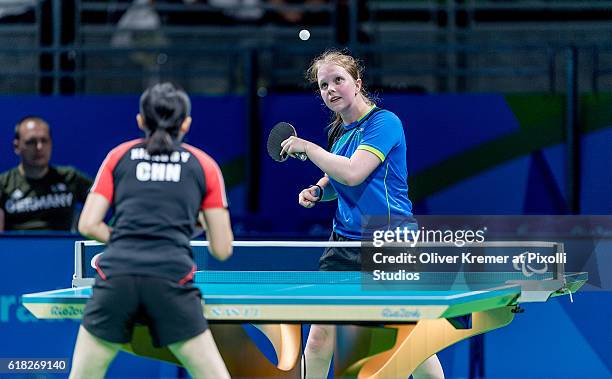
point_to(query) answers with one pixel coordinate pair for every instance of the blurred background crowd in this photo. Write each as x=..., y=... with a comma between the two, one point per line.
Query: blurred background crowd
x=84, y=46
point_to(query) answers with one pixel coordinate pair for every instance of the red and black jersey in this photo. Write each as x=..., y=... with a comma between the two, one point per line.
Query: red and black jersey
x=156, y=200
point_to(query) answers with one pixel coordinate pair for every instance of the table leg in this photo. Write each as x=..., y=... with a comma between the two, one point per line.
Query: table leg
x=417, y=342
x=286, y=339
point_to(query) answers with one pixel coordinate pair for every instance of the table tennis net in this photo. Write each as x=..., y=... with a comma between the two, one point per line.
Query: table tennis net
x=250, y=258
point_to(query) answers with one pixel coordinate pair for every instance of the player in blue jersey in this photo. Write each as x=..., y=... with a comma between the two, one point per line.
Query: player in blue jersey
x=365, y=170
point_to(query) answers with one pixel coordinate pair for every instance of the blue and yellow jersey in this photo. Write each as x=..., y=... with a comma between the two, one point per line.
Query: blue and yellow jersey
x=384, y=194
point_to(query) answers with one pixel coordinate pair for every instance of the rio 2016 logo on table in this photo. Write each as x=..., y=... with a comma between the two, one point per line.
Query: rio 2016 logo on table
x=402, y=313
x=67, y=311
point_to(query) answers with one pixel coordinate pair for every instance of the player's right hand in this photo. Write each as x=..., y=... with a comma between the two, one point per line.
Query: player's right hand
x=308, y=197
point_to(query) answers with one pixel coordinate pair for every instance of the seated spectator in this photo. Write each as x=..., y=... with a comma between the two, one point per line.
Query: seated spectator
x=289, y=12
x=16, y=10
x=140, y=28
x=240, y=10
x=35, y=195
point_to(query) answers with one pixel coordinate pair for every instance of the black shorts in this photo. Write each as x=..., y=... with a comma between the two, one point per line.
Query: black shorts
x=340, y=258
x=173, y=312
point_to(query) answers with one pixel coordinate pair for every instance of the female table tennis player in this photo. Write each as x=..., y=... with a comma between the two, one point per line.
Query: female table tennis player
x=365, y=170
x=156, y=187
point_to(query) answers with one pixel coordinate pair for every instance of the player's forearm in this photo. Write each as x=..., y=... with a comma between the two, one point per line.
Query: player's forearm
x=91, y=222
x=219, y=232
x=97, y=231
x=336, y=166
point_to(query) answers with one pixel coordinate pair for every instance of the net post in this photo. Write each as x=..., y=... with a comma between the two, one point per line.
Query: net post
x=559, y=267
x=78, y=262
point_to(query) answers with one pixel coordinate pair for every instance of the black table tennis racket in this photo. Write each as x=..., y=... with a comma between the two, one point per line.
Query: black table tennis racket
x=278, y=134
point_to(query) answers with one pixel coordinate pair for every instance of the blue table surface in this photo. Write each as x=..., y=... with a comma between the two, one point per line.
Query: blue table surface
x=315, y=287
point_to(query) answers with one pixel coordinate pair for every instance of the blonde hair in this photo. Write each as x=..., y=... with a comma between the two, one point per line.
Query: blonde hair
x=354, y=67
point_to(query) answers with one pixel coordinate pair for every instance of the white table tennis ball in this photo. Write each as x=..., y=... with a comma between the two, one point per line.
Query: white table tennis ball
x=304, y=34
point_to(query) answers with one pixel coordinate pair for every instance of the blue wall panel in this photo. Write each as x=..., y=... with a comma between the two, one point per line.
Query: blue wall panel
x=500, y=190
x=439, y=126
x=596, y=183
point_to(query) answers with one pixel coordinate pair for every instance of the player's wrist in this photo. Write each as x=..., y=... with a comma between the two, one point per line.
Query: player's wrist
x=319, y=192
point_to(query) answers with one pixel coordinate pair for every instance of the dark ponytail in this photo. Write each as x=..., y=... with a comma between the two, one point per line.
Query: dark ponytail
x=163, y=107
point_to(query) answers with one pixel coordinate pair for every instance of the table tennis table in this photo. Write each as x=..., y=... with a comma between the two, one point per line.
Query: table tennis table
x=428, y=316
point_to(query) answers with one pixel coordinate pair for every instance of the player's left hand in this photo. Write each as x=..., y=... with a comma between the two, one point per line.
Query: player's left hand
x=293, y=145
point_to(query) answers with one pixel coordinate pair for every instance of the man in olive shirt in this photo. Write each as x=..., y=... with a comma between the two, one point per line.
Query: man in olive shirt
x=35, y=195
